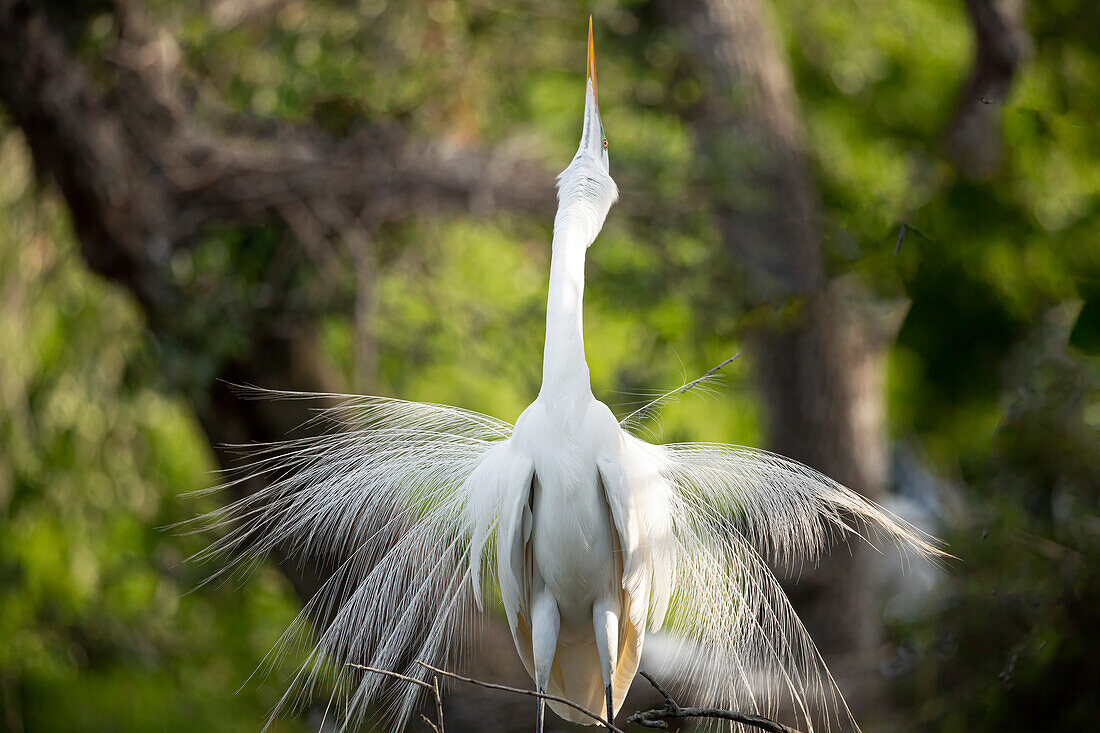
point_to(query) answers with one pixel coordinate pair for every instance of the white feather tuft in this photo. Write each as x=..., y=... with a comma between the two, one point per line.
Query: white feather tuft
x=407, y=501
x=383, y=494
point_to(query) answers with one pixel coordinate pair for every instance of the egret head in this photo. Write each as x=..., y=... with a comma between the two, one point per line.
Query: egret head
x=585, y=188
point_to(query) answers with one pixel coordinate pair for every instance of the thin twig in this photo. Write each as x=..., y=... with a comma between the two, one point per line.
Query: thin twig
x=658, y=717
x=668, y=698
x=434, y=687
x=529, y=693
x=388, y=673
x=438, y=701
x=679, y=390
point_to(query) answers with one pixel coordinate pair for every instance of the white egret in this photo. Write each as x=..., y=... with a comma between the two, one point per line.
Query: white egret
x=590, y=537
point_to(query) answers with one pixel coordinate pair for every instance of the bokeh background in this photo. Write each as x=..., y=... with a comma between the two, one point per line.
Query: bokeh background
x=892, y=210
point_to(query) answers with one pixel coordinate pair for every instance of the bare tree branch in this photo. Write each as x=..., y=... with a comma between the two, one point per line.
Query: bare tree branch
x=655, y=718
x=378, y=174
x=434, y=687
x=395, y=675
x=142, y=178
x=528, y=693
x=438, y=702
x=659, y=717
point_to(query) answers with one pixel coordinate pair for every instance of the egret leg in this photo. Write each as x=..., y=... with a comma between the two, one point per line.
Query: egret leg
x=605, y=622
x=610, y=706
x=545, y=624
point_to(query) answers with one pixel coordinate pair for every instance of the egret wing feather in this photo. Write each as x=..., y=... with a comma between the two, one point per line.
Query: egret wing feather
x=389, y=495
x=715, y=517
x=789, y=511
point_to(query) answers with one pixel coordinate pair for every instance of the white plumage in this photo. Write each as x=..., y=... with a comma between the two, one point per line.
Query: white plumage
x=590, y=536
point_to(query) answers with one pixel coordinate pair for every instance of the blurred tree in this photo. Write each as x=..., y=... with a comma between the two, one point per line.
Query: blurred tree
x=818, y=370
x=144, y=182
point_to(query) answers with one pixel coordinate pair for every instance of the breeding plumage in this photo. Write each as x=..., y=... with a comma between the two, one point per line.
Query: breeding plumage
x=589, y=536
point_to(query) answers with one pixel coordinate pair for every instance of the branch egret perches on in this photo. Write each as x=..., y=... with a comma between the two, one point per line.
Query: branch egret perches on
x=590, y=537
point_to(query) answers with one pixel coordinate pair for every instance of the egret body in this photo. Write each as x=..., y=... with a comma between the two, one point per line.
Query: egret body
x=589, y=534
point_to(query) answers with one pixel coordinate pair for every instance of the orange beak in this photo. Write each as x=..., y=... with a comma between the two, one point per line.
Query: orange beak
x=592, y=62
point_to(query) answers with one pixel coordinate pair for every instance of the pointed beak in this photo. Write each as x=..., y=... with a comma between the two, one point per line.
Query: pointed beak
x=592, y=64
x=592, y=133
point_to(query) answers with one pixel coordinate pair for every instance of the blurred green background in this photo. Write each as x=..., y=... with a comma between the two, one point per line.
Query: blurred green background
x=992, y=388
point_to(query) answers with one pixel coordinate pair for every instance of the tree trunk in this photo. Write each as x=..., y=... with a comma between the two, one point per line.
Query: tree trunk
x=819, y=375
x=973, y=136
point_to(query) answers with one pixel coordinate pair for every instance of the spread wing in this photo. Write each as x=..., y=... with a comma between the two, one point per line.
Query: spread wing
x=703, y=521
x=383, y=496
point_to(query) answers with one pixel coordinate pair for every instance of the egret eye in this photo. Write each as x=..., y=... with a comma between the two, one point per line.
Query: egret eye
x=605, y=143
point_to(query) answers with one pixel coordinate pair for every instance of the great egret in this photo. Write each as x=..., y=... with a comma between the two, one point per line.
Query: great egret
x=590, y=536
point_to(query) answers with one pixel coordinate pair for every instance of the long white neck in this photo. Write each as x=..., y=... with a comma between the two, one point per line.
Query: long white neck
x=564, y=370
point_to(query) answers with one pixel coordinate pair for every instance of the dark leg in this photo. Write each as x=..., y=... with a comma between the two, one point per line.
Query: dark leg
x=610, y=707
x=539, y=713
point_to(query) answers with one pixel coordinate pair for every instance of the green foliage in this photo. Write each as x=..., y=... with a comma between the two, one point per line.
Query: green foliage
x=98, y=630
x=994, y=372
x=993, y=375
x=1011, y=645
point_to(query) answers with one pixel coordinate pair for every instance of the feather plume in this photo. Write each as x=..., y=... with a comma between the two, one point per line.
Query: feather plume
x=733, y=511
x=405, y=499
x=383, y=495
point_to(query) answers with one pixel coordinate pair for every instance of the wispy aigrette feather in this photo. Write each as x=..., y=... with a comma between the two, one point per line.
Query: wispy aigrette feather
x=388, y=488
x=382, y=493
